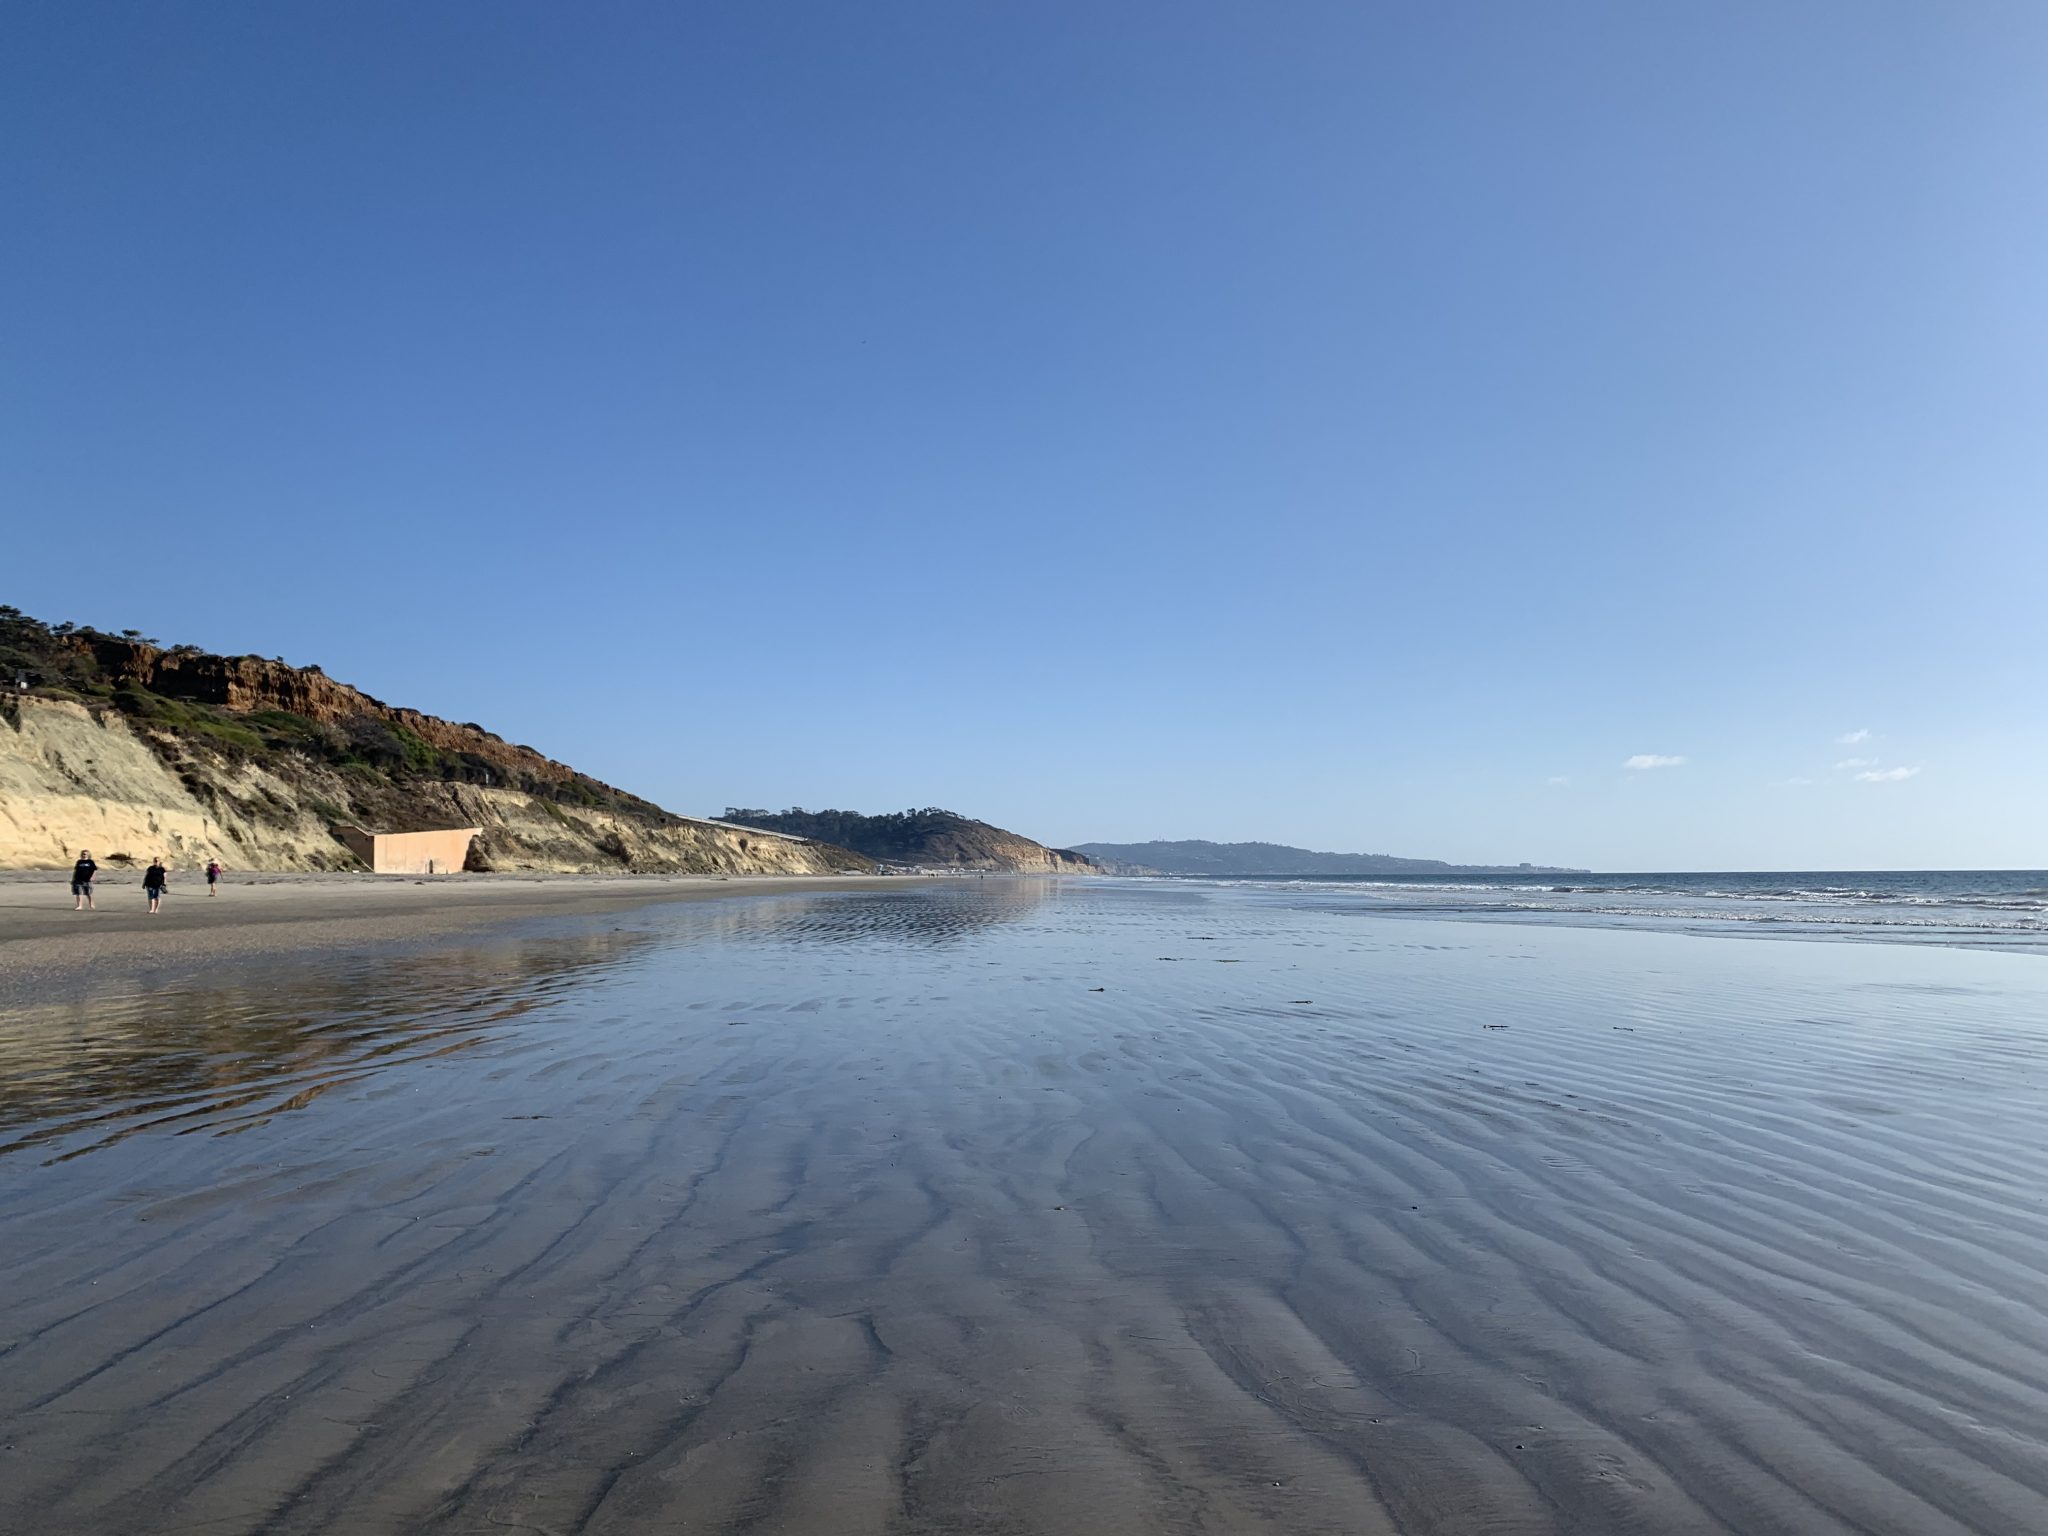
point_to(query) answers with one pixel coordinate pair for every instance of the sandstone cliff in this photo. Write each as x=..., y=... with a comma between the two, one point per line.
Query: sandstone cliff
x=73, y=776
x=126, y=748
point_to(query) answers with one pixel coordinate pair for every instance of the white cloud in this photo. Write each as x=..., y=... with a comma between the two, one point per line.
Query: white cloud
x=1887, y=775
x=1855, y=762
x=1854, y=738
x=1796, y=782
x=1557, y=778
x=1653, y=760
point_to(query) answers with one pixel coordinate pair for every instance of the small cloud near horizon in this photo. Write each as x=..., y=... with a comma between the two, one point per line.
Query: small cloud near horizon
x=1854, y=738
x=1653, y=760
x=1855, y=762
x=1558, y=778
x=1886, y=775
x=1798, y=781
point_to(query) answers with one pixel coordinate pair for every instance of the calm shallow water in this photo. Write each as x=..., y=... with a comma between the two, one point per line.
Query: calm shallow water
x=870, y=1212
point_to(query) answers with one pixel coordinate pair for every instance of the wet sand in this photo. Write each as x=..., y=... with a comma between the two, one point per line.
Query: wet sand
x=44, y=940
x=1030, y=1208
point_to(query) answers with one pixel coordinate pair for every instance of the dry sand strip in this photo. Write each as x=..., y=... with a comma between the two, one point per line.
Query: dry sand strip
x=256, y=916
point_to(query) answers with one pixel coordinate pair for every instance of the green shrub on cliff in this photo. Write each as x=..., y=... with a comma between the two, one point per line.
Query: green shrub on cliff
x=159, y=713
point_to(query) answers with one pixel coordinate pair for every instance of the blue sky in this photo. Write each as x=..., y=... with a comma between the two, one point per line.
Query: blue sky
x=1364, y=426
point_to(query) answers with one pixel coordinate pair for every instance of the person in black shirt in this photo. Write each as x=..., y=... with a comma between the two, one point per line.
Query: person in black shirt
x=81, y=881
x=154, y=879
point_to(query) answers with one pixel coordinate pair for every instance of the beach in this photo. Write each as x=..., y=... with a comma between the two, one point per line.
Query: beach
x=44, y=941
x=1017, y=1206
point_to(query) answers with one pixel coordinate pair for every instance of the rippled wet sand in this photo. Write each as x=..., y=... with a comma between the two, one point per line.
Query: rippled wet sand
x=872, y=1213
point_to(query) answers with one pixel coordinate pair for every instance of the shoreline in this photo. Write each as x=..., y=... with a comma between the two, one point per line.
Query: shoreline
x=262, y=915
x=1913, y=908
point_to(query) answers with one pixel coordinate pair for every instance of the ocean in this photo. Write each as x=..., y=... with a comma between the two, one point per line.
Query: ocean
x=1993, y=909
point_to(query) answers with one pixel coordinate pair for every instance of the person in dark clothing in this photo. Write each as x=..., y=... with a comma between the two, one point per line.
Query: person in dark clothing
x=81, y=881
x=212, y=877
x=154, y=879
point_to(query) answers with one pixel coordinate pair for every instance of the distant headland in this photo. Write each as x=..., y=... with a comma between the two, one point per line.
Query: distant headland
x=1277, y=861
x=921, y=839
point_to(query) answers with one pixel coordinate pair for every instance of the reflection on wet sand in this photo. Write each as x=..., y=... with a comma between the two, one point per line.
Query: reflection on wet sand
x=1118, y=1213
x=226, y=1054
x=923, y=914
x=87, y=1073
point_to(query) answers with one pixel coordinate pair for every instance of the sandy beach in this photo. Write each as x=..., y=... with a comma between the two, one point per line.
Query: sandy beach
x=1016, y=1206
x=44, y=941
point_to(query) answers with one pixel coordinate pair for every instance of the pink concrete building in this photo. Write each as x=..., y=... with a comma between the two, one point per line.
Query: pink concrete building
x=441, y=852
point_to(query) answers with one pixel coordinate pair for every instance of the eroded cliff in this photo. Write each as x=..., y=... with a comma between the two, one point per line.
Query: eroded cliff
x=74, y=776
x=127, y=748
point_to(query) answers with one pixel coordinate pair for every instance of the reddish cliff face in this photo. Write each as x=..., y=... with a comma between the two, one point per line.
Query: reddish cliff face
x=249, y=684
x=243, y=683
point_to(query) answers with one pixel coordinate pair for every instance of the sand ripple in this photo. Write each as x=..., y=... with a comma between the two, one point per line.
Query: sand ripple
x=1016, y=1210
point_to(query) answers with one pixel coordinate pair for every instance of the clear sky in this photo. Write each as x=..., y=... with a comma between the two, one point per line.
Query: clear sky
x=1366, y=426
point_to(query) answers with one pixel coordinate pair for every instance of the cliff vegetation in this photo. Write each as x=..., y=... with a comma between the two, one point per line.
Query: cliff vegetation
x=923, y=839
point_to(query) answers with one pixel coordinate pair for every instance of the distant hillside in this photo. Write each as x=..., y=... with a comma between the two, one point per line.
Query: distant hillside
x=928, y=839
x=125, y=747
x=1275, y=861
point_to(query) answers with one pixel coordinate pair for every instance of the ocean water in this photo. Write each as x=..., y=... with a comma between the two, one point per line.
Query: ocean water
x=1979, y=908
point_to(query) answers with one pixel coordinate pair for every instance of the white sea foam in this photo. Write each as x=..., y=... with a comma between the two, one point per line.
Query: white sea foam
x=1998, y=907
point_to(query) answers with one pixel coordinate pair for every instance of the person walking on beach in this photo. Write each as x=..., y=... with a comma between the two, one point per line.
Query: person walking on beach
x=213, y=877
x=154, y=879
x=81, y=881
